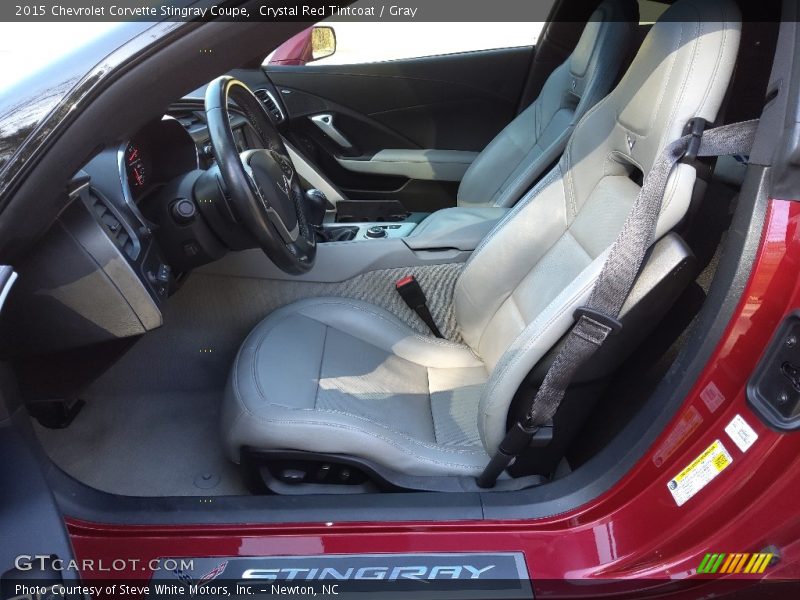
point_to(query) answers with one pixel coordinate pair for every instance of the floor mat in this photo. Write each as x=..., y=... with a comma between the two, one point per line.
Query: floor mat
x=165, y=444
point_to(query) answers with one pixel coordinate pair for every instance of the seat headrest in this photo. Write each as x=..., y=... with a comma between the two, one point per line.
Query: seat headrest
x=681, y=71
x=620, y=11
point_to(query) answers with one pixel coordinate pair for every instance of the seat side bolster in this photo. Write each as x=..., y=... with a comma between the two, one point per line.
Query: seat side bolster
x=338, y=433
x=537, y=338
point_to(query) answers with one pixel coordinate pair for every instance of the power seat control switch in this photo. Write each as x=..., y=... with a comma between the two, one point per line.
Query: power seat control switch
x=774, y=390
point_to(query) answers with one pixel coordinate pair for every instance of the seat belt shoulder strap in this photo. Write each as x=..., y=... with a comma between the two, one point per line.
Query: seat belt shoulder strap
x=599, y=317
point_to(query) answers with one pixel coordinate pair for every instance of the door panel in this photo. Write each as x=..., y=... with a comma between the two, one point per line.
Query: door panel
x=450, y=102
x=32, y=531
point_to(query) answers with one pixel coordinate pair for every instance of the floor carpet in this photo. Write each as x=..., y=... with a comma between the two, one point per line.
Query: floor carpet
x=157, y=444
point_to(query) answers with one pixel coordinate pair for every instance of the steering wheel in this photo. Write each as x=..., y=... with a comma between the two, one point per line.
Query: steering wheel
x=261, y=183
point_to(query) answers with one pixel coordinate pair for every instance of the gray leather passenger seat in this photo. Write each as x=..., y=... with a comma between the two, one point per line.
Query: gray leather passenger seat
x=533, y=141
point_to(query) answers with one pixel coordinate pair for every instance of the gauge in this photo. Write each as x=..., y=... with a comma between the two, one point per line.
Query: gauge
x=135, y=167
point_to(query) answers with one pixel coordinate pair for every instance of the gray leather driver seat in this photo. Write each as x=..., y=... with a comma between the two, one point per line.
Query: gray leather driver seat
x=333, y=375
x=533, y=141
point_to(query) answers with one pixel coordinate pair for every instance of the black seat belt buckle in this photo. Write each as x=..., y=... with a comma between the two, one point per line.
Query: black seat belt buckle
x=694, y=127
x=411, y=292
x=614, y=324
x=543, y=436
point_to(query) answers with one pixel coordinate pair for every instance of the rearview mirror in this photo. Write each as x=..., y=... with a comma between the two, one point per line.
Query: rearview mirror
x=323, y=42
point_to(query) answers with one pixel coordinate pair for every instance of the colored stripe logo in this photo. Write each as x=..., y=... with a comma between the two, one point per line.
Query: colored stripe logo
x=737, y=562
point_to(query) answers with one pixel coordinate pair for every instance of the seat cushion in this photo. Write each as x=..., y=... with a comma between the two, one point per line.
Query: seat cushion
x=343, y=376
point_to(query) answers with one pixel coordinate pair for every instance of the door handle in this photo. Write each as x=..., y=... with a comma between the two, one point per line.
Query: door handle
x=7, y=279
x=325, y=122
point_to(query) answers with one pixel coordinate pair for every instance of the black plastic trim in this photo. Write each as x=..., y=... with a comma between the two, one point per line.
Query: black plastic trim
x=30, y=522
x=785, y=86
x=774, y=389
x=368, y=475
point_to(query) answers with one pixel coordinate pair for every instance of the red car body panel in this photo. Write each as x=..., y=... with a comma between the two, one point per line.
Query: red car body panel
x=635, y=530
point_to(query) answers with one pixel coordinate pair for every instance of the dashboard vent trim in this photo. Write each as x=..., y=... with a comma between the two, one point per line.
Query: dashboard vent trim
x=271, y=104
x=113, y=225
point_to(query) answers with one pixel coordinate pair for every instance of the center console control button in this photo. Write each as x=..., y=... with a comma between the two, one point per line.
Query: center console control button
x=376, y=232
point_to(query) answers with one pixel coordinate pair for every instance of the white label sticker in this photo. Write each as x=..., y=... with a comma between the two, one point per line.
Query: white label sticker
x=741, y=433
x=699, y=473
x=712, y=396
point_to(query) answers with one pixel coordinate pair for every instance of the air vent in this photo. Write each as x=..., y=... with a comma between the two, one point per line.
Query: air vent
x=268, y=100
x=192, y=120
x=115, y=229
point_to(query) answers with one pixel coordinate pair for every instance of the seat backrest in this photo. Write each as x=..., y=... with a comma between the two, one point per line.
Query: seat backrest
x=517, y=294
x=534, y=140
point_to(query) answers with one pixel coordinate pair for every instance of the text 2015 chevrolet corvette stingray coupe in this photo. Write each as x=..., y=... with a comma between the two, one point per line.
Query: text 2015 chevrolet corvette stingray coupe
x=498, y=323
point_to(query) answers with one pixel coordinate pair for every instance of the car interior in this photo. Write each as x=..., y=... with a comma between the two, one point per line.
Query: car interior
x=303, y=280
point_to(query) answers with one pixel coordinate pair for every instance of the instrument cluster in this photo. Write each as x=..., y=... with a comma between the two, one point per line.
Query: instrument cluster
x=156, y=154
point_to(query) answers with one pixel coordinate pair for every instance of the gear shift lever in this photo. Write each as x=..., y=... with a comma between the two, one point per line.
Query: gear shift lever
x=317, y=204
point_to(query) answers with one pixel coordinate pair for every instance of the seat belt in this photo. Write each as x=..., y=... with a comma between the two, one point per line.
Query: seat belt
x=411, y=292
x=599, y=317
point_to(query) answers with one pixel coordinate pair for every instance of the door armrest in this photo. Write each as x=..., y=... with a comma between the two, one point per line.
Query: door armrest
x=431, y=165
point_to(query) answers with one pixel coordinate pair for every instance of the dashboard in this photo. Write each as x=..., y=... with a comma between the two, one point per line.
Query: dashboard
x=122, y=245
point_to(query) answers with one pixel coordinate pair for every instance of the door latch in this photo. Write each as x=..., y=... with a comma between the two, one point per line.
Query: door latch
x=774, y=389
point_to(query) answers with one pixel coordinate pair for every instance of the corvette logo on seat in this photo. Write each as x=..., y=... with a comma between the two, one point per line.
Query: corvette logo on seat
x=631, y=142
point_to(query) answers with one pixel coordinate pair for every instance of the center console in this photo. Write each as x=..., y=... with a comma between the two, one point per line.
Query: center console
x=363, y=220
x=347, y=249
x=359, y=236
x=459, y=227
x=332, y=232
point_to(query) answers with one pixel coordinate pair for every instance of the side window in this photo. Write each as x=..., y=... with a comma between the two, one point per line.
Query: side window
x=373, y=42
x=365, y=42
x=650, y=11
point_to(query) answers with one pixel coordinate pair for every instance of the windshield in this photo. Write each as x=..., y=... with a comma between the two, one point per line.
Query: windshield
x=26, y=48
x=40, y=68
